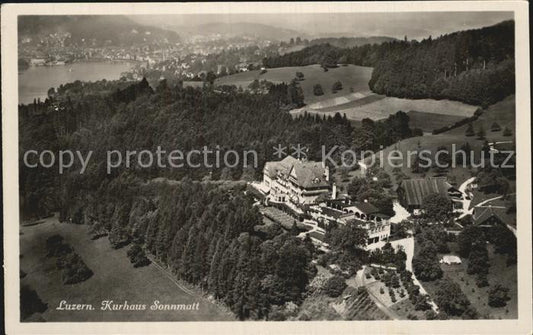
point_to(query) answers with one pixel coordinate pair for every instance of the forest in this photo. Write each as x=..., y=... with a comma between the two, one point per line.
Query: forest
x=474, y=66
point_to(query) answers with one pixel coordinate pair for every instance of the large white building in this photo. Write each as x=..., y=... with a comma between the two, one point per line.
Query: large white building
x=305, y=186
x=295, y=181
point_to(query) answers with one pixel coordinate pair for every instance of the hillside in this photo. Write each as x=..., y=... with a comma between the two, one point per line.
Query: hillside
x=256, y=30
x=97, y=29
x=502, y=112
x=474, y=66
x=353, y=78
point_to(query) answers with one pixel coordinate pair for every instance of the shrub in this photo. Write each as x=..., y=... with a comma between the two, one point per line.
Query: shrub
x=507, y=132
x=335, y=286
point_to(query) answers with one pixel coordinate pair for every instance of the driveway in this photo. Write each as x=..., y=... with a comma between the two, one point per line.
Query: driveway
x=400, y=213
x=466, y=203
x=408, y=245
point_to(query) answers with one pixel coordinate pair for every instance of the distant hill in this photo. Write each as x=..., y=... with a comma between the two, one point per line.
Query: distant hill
x=100, y=29
x=350, y=42
x=239, y=29
x=473, y=66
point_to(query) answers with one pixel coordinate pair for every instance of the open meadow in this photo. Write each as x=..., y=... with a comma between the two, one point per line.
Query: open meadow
x=114, y=278
x=353, y=78
x=502, y=112
x=377, y=107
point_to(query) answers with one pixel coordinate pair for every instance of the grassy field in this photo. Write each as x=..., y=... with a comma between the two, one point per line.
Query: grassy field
x=381, y=108
x=432, y=143
x=405, y=308
x=351, y=77
x=114, y=278
x=499, y=273
x=502, y=112
x=338, y=104
x=430, y=121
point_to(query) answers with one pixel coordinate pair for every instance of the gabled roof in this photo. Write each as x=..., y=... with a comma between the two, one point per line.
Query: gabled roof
x=365, y=207
x=309, y=174
x=306, y=174
x=483, y=214
x=284, y=166
x=416, y=190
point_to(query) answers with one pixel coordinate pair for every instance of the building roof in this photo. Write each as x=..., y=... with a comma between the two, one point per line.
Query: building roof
x=309, y=174
x=416, y=190
x=284, y=166
x=482, y=214
x=306, y=174
x=365, y=207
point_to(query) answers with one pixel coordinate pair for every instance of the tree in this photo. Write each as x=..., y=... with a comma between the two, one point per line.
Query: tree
x=296, y=94
x=495, y=127
x=337, y=86
x=348, y=237
x=426, y=263
x=481, y=133
x=422, y=303
x=317, y=90
x=478, y=260
x=507, y=132
x=51, y=92
x=335, y=286
x=469, y=132
x=450, y=298
x=467, y=237
x=30, y=302
x=437, y=207
x=498, y=296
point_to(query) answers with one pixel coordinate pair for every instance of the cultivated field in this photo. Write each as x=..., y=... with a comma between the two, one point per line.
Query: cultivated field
x=353, y=78
x=380, y=107
x=114, y=278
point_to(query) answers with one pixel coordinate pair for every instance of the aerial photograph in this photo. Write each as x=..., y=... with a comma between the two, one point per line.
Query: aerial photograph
x=267, y=167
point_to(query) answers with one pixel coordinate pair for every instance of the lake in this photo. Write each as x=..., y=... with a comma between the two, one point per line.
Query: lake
x=36, y=80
